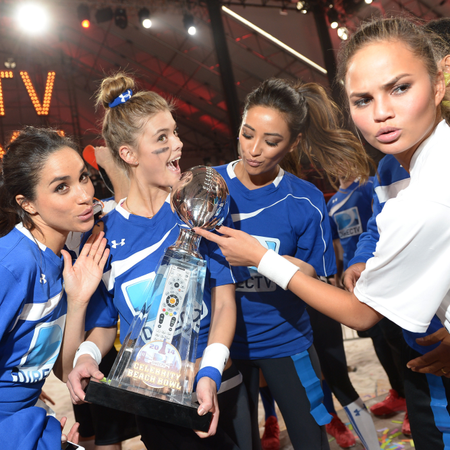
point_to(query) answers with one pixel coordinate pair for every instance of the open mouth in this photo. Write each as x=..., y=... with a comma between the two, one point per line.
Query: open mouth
x=174, y=165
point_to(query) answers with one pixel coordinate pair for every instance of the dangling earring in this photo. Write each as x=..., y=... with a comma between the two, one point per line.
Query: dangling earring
x=446, y=78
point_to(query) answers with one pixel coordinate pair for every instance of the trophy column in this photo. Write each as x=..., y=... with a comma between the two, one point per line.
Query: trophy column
x=158, y=355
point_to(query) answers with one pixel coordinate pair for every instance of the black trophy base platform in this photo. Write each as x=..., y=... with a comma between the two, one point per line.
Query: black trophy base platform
x=103, y=394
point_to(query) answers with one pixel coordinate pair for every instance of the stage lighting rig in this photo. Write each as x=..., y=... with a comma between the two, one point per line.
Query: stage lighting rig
x=10, y=63
x=333, y=17
x=32, y=18
x=189, y=25
x=144, y=17
x=303, y=6
x=84, y=15
x=343, y=33
x=104, y=15
x=120, y=18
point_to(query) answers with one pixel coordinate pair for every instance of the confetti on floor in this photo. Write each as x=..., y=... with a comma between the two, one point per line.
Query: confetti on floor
x=388, y=436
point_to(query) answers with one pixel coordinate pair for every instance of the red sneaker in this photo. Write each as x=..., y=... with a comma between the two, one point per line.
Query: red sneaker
x=406, y=427
x=271, y=438
x=392, y=404
x=336, y=428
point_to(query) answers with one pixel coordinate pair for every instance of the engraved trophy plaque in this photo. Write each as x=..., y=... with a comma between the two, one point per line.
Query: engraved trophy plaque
x=153, y=374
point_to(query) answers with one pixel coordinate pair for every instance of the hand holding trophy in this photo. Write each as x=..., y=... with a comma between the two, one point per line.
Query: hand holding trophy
x=153, y=375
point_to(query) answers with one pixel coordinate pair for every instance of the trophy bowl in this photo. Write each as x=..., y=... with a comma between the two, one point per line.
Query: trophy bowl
x=201, y=198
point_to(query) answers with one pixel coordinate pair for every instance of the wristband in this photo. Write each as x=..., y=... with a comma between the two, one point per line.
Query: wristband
x=215, y=355
x=214, y=360
x=88, y=348
x=276, y=268
x=210, y=372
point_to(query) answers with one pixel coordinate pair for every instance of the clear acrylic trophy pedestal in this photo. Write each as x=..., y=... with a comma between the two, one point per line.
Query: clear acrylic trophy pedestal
x=153, y=374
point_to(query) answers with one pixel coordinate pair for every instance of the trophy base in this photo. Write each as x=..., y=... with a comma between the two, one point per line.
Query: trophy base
x=103, y=394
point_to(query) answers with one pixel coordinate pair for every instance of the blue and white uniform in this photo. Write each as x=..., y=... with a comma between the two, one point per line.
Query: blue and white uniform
x=137, y=245
x=288, y=216
x=33, y=309
x=425, y=394
x=349, y=210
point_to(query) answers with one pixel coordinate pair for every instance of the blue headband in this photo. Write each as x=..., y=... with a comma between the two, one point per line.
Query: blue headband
x=122, y=98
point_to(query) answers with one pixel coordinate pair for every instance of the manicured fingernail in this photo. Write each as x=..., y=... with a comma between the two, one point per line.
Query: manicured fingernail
x=201, y=411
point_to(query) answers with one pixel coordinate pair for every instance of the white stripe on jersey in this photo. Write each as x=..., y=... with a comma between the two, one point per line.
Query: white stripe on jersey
x=243, y=216
x=384, y=193
x=37, y=311
x=240, y=217
x=120, y=267
x=231, y=173
x=24, y=231
x=341, y=203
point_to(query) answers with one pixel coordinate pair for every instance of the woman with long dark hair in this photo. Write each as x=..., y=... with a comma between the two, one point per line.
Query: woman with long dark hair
x=45, y=193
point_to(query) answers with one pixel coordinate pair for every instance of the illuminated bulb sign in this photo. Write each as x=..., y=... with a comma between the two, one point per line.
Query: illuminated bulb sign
x=41, y=110
x=3, y=74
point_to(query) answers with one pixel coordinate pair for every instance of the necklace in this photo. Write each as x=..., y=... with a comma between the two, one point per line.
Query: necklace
x=131, y=212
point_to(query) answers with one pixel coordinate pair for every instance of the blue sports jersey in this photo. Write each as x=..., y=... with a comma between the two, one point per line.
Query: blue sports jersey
x=349, y=210
x=290, y=217
x=392, y=178
x=137, y=245
x=33, y=312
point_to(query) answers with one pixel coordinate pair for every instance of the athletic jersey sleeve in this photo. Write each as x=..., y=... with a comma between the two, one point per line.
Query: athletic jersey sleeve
x=101, y=311
x=220, y=271
x=333, y=227
x=315, y=242
x=42, y=431
x=12, y=297
x=407, y=278
x=368, y=240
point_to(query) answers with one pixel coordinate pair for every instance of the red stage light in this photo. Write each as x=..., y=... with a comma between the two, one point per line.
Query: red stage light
x=84, y=15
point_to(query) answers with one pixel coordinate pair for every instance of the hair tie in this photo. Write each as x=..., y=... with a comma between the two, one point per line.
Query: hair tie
x=122, y=98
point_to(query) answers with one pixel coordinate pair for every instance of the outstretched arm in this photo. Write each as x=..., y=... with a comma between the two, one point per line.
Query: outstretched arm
x=80, y=282
x=223, y=324
x=241, y=249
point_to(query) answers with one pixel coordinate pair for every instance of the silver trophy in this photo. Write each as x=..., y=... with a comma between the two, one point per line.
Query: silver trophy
x=153, y=374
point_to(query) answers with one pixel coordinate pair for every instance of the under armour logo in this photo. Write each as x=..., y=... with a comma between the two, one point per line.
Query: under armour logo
x=125, y=96
x=357, y=412
x=115, y=243
x=43, y=280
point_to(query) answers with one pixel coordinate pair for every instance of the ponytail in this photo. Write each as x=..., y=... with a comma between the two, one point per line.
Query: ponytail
x=325, y=142
x=308, y=111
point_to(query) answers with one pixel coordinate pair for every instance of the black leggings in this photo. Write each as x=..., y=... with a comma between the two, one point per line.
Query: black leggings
x=108, y=425
x=389, y=343
x=424, y=431
x=287, y=390
x=233, y=432
x=329, y=345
